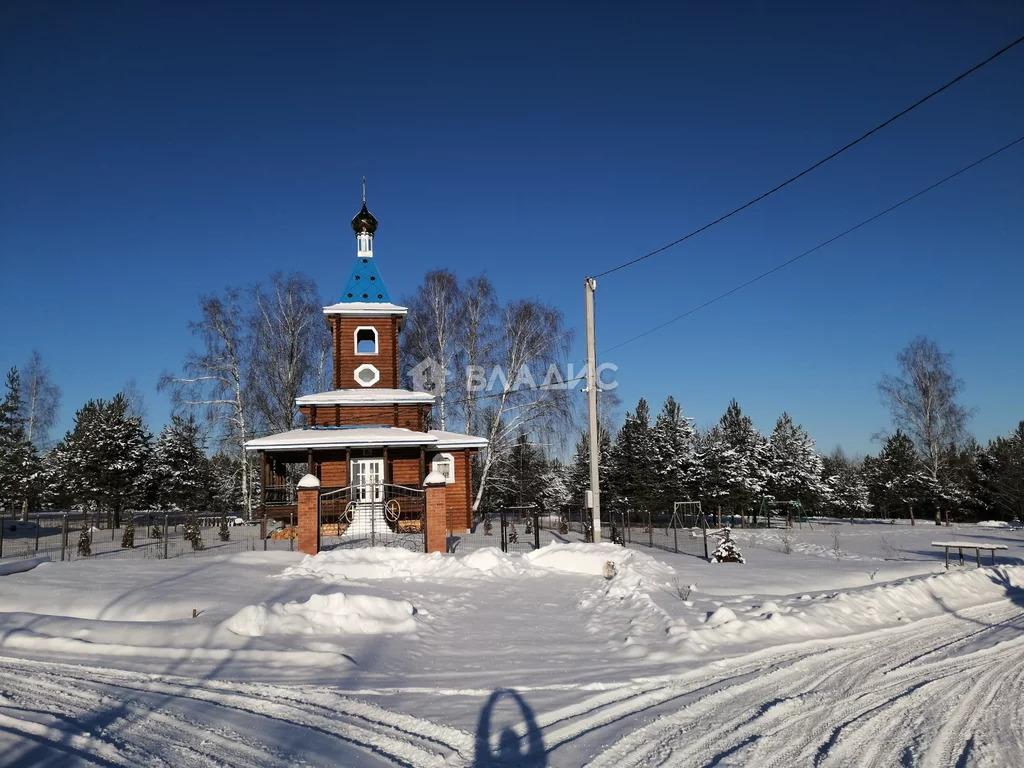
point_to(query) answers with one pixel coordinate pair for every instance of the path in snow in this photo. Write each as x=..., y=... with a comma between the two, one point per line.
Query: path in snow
x=944, y=691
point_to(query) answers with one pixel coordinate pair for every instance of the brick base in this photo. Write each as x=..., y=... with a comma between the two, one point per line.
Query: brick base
x=437, y=519
x=309, y=520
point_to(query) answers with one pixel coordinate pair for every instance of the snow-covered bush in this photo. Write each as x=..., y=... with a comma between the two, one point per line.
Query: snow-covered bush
x=85, y=541
x=727, y=550
x=128, y=537
x=192, y=534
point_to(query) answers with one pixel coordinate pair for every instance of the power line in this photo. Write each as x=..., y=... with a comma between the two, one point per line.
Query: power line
x=821, y=162
x=796, y=258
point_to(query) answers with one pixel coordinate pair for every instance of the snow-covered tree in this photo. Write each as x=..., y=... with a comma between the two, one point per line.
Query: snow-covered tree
x=554, y=490
x=794, y=468
x=18, y=459
x=847, y=489
x=676, y=457
x=191, y=531
x=579, y=469
x=180, y=470
x=900, y=480
x=517, y=478
x=128, y=537
x=632, y=475
x=727, y=550
x=102, y=461
x=85, y=540
x=1004, y=460
x=743, y=459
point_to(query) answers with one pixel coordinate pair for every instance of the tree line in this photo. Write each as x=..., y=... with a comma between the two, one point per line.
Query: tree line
x=929, y=466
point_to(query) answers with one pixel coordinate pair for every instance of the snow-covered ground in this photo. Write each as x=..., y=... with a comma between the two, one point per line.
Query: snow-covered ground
x=836, y=645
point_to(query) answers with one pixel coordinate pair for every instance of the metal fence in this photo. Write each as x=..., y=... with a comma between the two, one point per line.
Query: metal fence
x=669, y=533
x=373, y=515
x=75, y=535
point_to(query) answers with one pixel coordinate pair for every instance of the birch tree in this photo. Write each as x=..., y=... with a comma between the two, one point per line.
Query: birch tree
x=922, y=399
x=477, y=321
x=533, y=344
x=431, y=337
x=287, y=348
x=214, y=376
x=40, y=400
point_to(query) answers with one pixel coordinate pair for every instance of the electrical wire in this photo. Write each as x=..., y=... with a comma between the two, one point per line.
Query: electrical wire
x=821, y=162
x=820, y=245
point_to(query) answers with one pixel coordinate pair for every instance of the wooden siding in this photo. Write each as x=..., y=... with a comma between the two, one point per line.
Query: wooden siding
x=409, y=416
x=346, y=360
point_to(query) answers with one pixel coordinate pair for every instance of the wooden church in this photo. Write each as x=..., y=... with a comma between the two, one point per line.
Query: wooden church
x=367, y=434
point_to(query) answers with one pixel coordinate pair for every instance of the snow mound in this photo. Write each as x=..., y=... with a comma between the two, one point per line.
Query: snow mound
x=846, y=613
x=375, y=563
x=322, y=614
x=995, y=524
x=631, y=566
x=493, y=561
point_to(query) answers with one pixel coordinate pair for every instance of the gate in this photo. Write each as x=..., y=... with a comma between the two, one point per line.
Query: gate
x=372, y=514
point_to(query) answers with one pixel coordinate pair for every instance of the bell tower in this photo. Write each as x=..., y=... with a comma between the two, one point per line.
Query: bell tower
x=365, y=323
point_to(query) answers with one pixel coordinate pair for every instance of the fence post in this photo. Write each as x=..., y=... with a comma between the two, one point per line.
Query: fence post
x=536, y=530
x=650, y=529
x=704, y=528
x=675, y=534
x=291, y=532
x=263, y=530
x=1, y=534
x=37, y=531
x=166, y=532
x=504, y=532
x=64, y=537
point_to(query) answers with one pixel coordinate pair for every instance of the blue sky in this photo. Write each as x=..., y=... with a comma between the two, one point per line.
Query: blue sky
x=150, y=152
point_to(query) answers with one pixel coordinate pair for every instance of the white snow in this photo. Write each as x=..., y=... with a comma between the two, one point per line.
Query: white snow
x=323, y=614
x=364, y=395
x=856, y=648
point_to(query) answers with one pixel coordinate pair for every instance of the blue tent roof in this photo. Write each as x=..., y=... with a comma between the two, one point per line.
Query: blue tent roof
x=365, y=284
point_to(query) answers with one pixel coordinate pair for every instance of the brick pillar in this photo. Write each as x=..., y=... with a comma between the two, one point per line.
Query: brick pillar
x=436, y=513
x=309, y=515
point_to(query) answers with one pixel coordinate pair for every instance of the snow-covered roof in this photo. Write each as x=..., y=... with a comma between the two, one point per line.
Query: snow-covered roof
x=346, y=437
x=457, y=440
x=364, y=395
x=365, y=308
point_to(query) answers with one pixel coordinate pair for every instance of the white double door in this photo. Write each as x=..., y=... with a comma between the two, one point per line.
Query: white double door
x=367, y=480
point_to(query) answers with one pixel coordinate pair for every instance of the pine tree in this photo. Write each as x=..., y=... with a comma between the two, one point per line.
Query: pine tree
x=224, y=532
x=632, y=477
x=102, y=461
x=727, y=550
x=192, y=533
x=794, y=468
x=179, y=468
x=848, y=494
x=128, y=537
x=85, y=541
x=554, y=491
x=676, y=458
x=18, y=460
x=1004, y=472
x=516, y=478
x=899, y=476
x=742, y=460
x=579, y=470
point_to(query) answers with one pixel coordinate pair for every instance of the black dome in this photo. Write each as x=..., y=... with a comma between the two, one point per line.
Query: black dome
x=364, y=222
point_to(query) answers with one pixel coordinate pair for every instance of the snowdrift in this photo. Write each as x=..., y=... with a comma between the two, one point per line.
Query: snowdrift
x=336, y=613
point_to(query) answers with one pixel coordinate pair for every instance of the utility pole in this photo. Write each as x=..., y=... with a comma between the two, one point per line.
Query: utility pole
x=589, y=286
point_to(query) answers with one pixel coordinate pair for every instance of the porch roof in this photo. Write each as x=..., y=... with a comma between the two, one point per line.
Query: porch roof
x=361, y=436
x=362, y=396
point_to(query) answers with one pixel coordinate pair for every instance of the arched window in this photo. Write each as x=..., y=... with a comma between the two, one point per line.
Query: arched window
x=366, y=340
x=445, y=464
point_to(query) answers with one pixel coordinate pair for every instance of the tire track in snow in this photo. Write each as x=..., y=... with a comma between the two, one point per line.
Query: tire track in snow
x=861, y=701
x=392, y=736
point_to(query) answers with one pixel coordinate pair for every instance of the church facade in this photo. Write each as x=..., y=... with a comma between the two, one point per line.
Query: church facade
x=367, y=433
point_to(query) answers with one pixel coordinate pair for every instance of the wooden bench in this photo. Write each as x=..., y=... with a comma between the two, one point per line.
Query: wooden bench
x=960, y=546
